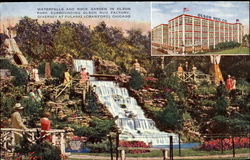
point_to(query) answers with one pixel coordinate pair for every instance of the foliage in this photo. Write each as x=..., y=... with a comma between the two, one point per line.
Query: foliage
x=57, y=70
x=221, y=106
x=20, y=75
x=227, y=143
x=225, y=45
x=245, y=40
x=32, y=110
x=92, y=106
x=170, y=117
x=8, y=100
x=99, y=147
x=97, y=130
x=44, y=150
x=136, y=80
x=140, y=144
x=236, y=123
x=48, y=40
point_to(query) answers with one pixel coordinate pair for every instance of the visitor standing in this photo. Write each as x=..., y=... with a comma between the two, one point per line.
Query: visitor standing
x=35, y=75
x=32, y=94
x=17, y=121
x=39, y=94
x=180, y=71
x=45, y=126
x=67, y=77
x=186, y=70
x=229, y=83
x=194, y=71
x=83, y=82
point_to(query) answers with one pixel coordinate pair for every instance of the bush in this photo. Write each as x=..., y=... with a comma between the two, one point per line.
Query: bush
x=33, y=110
x=57, y=70
x=136, y=80
x=221, y=106
x=225, y=45
x=170, y=116
x=135, y=144
x=227, y=144
x=9, y=97
x=20, y=75
x=97, y=130
x=99, y=147
x=41, y=151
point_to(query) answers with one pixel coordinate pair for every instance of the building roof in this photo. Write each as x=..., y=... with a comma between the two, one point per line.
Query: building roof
x=201, y=18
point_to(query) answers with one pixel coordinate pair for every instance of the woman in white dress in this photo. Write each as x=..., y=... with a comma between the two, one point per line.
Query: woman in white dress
x=35, y=74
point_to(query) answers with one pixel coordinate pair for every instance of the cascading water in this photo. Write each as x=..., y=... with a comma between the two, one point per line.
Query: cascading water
x=131, y=119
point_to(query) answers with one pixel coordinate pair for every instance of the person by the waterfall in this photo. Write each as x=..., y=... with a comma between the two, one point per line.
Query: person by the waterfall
x=83, y=75
x=229, y=83
x=35, y=75
x=67, y=77
x=32, y=94
x=39, y=93
x=83, y=82
x=233, y=83
x=45, y=126
x=194, y=70
x=180, y=71
x=17, y=121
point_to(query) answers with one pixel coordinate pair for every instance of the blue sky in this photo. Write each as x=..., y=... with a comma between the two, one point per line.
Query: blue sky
x=140, y=11
x=229, y=10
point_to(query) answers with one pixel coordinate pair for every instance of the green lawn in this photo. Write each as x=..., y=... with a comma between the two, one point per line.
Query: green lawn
x=232, y=51
x=184, y=153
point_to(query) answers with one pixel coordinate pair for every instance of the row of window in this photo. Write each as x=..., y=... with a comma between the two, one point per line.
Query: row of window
x=198, y=42
x=198, y=21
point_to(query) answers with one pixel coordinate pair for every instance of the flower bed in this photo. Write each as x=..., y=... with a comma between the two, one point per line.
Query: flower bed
x=239, y=142
x=135, y=144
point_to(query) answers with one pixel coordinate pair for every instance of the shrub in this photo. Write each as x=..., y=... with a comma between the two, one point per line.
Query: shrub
x=41, y=151
x=170, y=116
x=100, y=147
x=97, y=130
x=140, y=144
x=227, y=144
x=57, y=70
x=20, y=75
x=225, y=45
x=221, y=106
x=33, y=110
x=136, y=80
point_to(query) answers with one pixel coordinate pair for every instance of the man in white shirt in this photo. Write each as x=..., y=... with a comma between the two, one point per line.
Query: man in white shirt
x=16, y=121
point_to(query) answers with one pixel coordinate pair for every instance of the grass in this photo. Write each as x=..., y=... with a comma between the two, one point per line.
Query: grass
x=238, y=50
x=184, y=153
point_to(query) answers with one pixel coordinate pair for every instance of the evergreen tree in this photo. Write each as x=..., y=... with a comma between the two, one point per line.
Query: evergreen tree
x=136, y=80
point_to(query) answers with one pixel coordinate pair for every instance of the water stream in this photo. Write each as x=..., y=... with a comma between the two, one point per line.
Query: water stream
x=131, y=119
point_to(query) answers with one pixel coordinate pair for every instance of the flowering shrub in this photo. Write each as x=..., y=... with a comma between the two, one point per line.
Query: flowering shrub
x=151, y=79
x=135, y=144
x=227, y=144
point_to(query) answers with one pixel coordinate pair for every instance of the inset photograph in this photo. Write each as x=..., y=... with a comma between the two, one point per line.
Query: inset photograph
x=198, y=28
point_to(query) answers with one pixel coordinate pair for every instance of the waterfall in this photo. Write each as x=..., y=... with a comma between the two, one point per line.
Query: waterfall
x=131, y=119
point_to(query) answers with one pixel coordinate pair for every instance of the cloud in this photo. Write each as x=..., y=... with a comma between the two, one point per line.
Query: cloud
x=223, y=4
x=175, y=11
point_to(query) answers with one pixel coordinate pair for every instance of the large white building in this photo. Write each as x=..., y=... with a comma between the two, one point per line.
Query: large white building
x=190, y=33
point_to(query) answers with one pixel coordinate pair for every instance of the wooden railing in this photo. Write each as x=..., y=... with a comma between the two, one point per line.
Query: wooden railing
x=193, y=77
x=7, y=138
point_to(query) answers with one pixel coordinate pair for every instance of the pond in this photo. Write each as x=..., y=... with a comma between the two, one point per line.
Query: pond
x=183, y=145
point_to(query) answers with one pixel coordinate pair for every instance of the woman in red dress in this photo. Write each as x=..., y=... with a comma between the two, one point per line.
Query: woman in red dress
x=229, y=83
x=45, y=126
